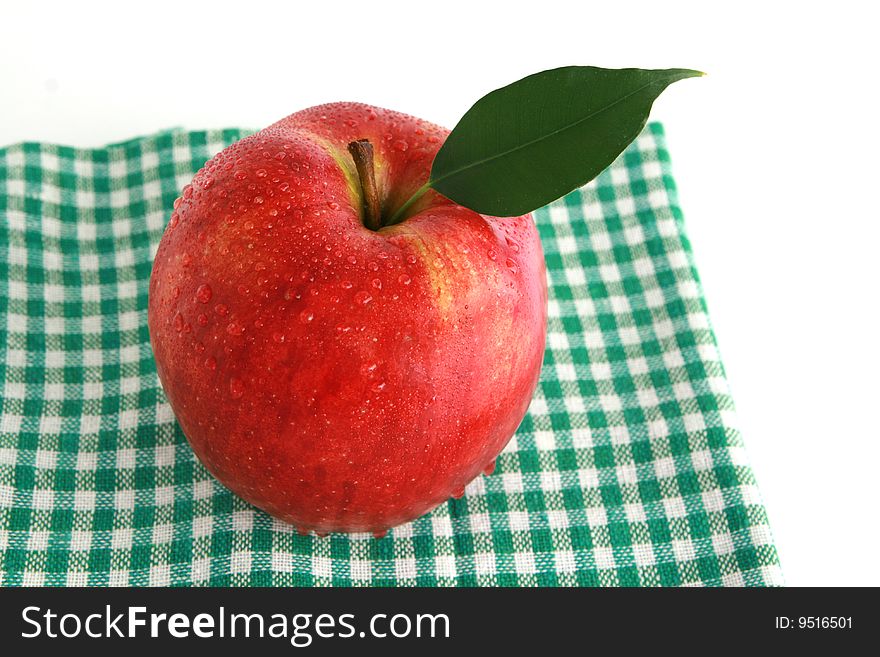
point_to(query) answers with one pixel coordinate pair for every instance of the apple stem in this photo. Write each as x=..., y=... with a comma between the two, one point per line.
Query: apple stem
x=400, y=215
x=362, y=154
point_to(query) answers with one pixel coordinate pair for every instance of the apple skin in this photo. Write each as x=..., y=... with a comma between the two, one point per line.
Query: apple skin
x=339, y=378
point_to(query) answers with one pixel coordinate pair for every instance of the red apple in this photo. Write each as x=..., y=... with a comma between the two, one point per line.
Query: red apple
x=338, y=377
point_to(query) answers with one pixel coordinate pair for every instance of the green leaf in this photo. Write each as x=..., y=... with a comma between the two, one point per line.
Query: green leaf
x=533, y=141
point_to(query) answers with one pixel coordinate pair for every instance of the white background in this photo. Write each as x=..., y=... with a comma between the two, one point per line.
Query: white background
x=775, y=153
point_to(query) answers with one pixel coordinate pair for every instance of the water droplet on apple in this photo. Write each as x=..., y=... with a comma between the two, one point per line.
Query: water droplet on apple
x=333, y=205
x=239, y=175
x=278, y=337
x=489, y=469
x=202, y=319
x=352, y=260
x=221, y=309
x=175, y=219
x=368, y=369
x=306, y=316
x=347, y=285
x=377, y=283
x=458, y=493
x=363, y=297
x=234, y=328
x=258, y=200
x=261, y=173
x=207, y=182
x=187, y=191
x=511, y=265
x=236, y=388
x=403, y=279
x=493, y=254
x=380, y=533
x=204, y=293
x=378, y=387
x=411, y=259
x=400, y=145
x=211, y=363
x=178, y=322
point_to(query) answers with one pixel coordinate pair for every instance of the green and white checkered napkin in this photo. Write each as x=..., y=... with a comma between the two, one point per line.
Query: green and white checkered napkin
x=627, y=470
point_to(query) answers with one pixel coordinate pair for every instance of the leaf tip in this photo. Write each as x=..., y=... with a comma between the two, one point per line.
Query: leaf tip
x=692, y=73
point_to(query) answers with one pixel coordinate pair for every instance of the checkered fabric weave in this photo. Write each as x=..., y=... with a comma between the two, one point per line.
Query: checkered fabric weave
x=627, y=470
